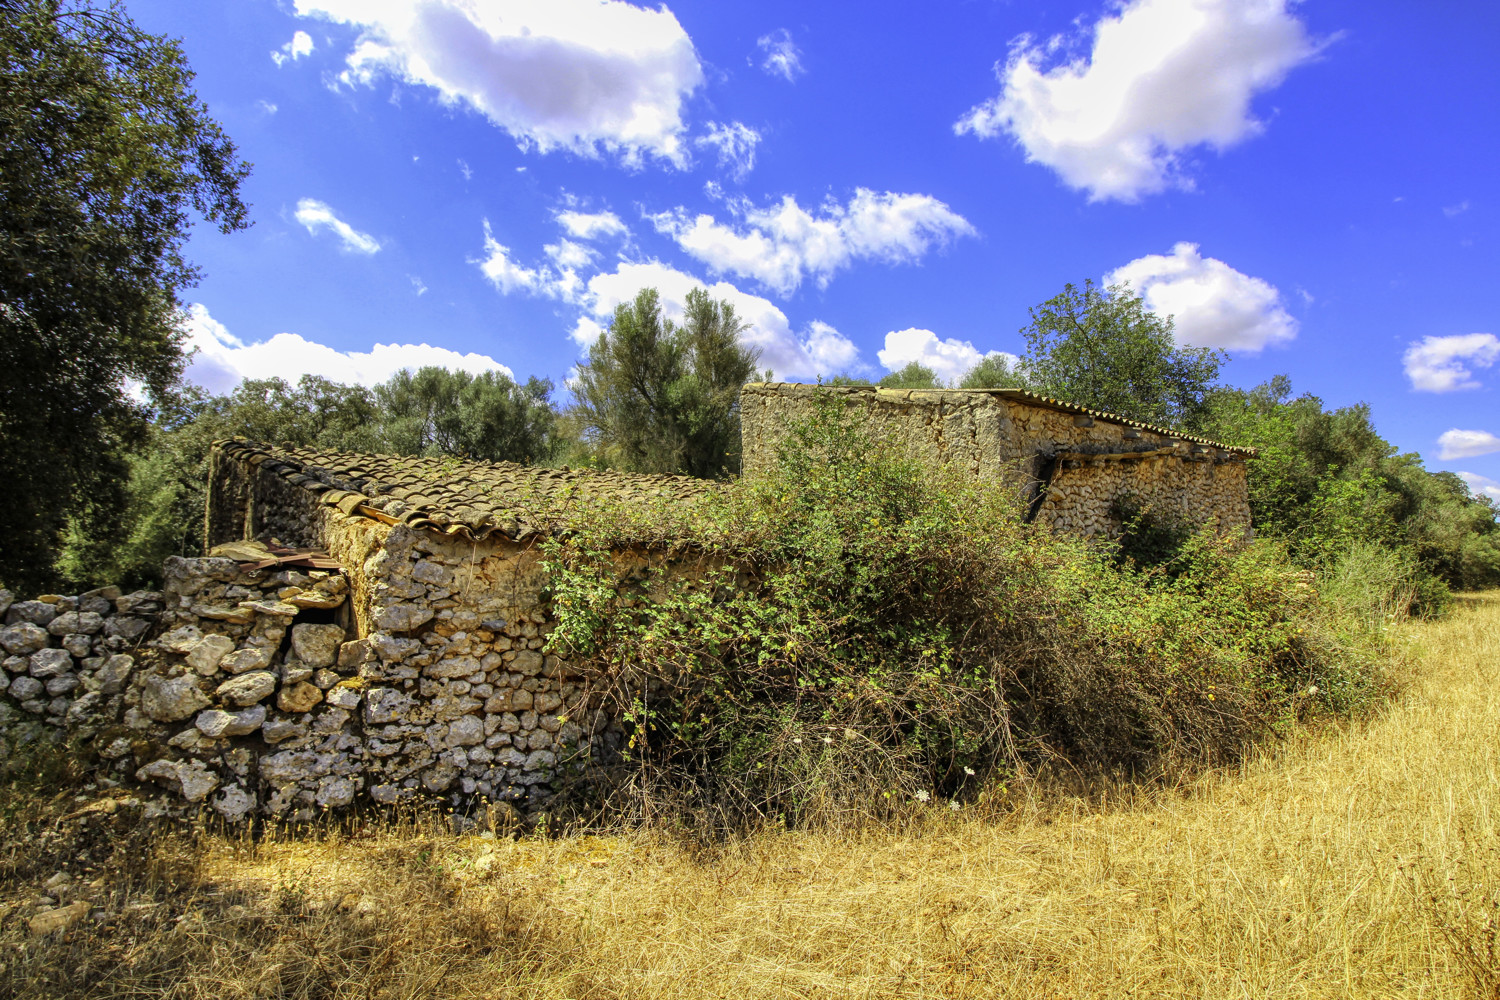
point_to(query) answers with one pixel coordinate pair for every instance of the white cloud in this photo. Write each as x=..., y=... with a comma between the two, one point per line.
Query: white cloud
x=222, y=359
x=509, y=276
x=735, y=145
x=1466, y=444
x=1211, y=304
x=1481, y=486
x=783, y=243
x=580, y=75
x=1452, y=211
x=780, y=55
x=418, y=285
x=818, y=349
x=591, y=225
x=266, y=106
x=566, y=253
x=1163, y=76
x=300, y=45
x=1444, y=364
x=463, y=168
x=950, y=359
x=317, y=215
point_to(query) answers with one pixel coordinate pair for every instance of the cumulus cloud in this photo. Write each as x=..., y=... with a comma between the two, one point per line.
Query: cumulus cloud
x=588, y=76
x=950, y=359
x=591, y=225
x=1481, y=486
x=780, y=55
x=783, y=243
x=509, y=276
x=318, y=216
x=735, y=145
x=221, y=360
x=1466, y=444
x=1163, y=77
x=300, y=45
x=1445, y=364
x=818, y=349
x=1211, y=304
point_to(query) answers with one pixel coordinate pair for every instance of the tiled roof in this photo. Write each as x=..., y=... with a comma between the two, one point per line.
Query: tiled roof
x=1027, y=399
x=458, y=496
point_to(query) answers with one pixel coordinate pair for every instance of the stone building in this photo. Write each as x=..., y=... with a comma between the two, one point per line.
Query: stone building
x=374, y=627
x=1077, y=469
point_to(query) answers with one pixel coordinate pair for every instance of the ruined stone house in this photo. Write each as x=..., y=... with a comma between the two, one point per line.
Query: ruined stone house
x=382, y=636
x=1076, y=469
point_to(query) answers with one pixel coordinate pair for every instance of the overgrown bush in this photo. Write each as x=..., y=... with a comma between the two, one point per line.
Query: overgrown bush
x=856, y=631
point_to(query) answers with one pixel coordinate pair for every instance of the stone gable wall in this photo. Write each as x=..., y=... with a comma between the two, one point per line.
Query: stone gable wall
x=1068, y=468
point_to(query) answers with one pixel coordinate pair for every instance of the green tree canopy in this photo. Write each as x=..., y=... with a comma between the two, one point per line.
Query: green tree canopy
x=914, y=375
x=1105, y=349
x=655, y=396
x=435, y=411
x=105, y=153
x=993, y=372
x=1323, y=480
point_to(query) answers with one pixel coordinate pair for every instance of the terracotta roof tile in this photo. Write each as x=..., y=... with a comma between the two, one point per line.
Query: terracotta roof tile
x=457, y=496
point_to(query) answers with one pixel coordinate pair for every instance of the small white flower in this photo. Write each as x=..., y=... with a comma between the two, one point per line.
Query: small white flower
x=954, y=805
x=922, y=795
x=827, y=739
x=796, y=739
x=969, y=771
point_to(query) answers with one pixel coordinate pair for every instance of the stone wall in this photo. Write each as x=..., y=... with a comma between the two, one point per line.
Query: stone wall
x=417, y=672
x=1071, y=467
x=242, y=690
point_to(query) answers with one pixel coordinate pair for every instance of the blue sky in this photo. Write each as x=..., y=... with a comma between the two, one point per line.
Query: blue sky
x=478, y=182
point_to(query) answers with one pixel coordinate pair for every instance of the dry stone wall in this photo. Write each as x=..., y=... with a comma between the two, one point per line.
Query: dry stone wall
x=1074, y=469
x=252, y=692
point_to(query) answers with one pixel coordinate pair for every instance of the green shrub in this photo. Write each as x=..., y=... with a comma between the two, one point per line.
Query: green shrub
x=856, y=631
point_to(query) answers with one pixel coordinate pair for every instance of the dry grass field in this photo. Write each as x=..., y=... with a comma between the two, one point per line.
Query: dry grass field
x=1358, y=862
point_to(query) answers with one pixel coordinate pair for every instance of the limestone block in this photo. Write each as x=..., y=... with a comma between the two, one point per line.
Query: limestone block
x=317, y=645
x=352, y=654
x=402, y=617
x=6, y=600
x=77, y=644
x=314, y=599
x=168, y=699
x=23, y=639
x=205, y=655
x=61, y=684
x=454, y=666
x=299, y=697
x=343, y=696
x=269, y=608
x=36, y=612
x=384, y=705
x=181, y=639
x=234, y=803
x=243, y=661
x=190, y=779
x=466, y=731
x=248, y=689
x=528, y=662
x=429, y=572
x=217, y=724
x=335, y=791
x=47, y=663
x=281, y=730
x=16, y=664
x=392, y=649
x=25, y=688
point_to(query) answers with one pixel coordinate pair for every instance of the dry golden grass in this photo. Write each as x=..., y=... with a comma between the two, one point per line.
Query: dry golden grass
x=1359, y=862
